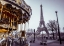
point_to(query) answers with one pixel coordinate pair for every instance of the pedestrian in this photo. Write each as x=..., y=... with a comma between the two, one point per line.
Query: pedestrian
x=45, y=41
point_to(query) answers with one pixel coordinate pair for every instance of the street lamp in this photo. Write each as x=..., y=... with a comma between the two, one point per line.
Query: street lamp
x=34, y=35
x=58, y=28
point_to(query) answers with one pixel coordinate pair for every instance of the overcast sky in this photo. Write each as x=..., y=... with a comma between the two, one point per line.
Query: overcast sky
x=49, y=8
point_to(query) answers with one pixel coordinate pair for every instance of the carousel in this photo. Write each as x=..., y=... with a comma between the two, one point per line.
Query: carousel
x=12, y=14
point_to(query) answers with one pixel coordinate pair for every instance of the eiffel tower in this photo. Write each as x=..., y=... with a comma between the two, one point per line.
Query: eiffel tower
x=42, y=26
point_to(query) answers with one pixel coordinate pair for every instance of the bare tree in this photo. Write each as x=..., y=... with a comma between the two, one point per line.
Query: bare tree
x=52, y=25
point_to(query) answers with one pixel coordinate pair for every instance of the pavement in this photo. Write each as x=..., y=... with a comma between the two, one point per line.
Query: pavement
x=49, y=43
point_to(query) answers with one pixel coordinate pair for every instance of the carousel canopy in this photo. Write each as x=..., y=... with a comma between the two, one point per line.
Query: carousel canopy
x=14, y=12
x=20, y=13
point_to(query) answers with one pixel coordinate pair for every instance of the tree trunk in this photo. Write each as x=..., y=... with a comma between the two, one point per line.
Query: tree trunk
x=53, y=35
x=56, y=34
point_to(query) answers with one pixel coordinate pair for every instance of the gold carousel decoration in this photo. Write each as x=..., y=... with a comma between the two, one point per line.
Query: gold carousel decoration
x=13, y=13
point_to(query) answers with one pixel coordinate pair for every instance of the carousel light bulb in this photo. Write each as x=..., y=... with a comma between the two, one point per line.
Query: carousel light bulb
x=17, y=8
x=3, y=2
x=13, y=6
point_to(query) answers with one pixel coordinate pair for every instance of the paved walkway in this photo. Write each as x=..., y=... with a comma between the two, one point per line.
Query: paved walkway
x=49, y=43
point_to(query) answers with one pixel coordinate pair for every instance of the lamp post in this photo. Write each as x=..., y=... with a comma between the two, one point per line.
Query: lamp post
x=58, y=28
x=34, y=35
